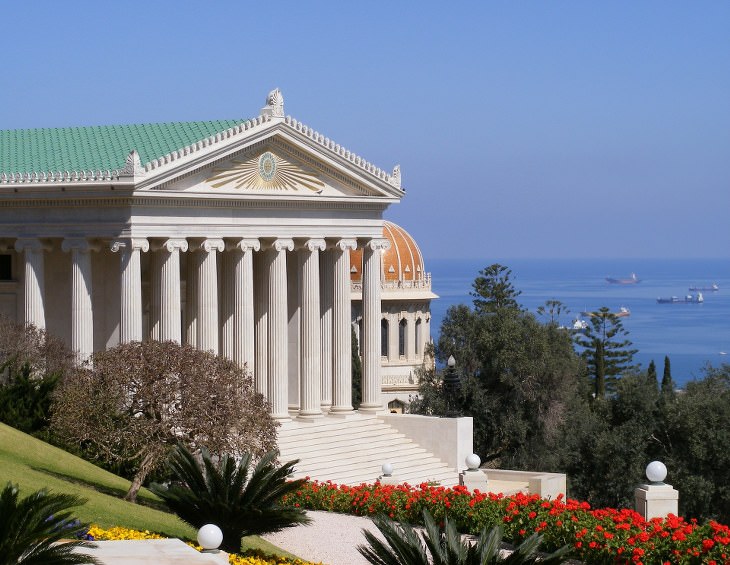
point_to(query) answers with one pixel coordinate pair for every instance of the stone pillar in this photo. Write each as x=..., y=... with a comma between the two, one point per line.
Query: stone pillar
x=241, y=258
x=341, y=330
x=227, y=285
x=130, y=320
x=170, y=300
x=156, y=262
x=309, y=405
x=34, y=281
x=82, y=318
x=371, y=286
x=326, y=300
x=261, y=322
x=191, y=298
x=207, y=310
x=278, y=370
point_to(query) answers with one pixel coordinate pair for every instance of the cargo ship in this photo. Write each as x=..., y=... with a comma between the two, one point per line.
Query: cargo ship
x=689, y=299
x=711, y=288
x=631, y=280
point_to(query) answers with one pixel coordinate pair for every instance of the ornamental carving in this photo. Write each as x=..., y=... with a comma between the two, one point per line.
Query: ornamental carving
x=274, y=104
x=268, y=171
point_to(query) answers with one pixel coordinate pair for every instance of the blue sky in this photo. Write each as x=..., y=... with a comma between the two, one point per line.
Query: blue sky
x=523, y=129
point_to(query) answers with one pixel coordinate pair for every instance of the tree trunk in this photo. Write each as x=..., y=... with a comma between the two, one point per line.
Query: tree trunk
x=144, y=469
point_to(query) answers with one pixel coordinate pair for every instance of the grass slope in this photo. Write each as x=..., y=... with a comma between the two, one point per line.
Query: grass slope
x=33, y=464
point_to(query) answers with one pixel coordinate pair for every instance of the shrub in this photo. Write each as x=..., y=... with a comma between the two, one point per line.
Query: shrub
x=32, y=527
x=241, y=501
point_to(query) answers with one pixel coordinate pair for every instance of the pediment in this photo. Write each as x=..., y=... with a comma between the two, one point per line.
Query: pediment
x=269, y=168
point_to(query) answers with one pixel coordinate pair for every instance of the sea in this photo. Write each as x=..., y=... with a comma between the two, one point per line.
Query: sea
x=692, y=335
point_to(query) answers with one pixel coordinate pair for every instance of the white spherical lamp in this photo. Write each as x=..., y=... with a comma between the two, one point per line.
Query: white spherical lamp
x=387, y=469
x=656, y=472
x=473, y=461
x=210, y=537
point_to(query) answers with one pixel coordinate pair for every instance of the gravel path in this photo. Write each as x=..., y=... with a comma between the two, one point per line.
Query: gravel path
x=331, y=538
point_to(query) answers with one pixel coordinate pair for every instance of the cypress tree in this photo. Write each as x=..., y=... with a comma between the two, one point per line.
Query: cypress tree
x=651, y=373
x=667, y=382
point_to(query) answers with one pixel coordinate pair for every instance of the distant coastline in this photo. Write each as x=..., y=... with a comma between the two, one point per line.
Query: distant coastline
x=690, y=338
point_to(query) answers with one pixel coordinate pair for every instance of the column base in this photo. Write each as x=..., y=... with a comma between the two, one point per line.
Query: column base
x=344, y=414
x=281, y=417
x=309, y=417
x=372, y=409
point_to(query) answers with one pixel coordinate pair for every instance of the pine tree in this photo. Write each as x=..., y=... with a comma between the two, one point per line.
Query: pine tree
x=493, y=290
x=606, y=350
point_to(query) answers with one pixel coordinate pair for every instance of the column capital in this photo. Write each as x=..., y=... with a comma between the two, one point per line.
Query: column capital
x=378, y=244
x=208, y=244
x=244, y=245
x=314, y=244
x=78, y=244
x=30, y=243
x=131, y=243
x=170, y=245
x=282, y=244
x=346, y=244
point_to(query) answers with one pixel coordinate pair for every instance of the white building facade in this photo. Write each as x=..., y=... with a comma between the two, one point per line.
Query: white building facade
x=234, y=236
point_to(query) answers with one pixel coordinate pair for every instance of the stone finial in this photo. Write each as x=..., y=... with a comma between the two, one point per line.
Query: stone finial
x=274, y=105
x=395, y=177
x=132, y=166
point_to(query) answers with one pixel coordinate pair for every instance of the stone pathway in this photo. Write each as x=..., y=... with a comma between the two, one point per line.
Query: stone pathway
x=152, y=552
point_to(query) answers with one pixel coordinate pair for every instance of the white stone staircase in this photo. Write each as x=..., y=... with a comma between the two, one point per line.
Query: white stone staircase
x=352, y=450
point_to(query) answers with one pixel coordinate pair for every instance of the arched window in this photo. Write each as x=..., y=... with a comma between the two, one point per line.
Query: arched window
x=384, y=337
x=402, y=337
x=419, y=337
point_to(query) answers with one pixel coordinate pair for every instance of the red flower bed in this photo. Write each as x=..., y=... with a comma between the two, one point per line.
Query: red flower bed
x=601, y=535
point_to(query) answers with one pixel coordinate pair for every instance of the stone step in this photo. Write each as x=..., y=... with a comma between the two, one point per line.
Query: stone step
x=344, y=444
x=397, y=451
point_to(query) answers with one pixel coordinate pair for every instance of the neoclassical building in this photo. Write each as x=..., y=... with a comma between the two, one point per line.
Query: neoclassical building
x=249, y=238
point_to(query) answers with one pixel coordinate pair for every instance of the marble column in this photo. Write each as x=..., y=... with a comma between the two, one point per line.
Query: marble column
x=170, y=327
x=326, y=283
x=278, y=370
x=34, y=281
x=207, y=310
x=156, y=261
x=310, y=386
x=130, y=320
x=261, y=322
x=82, y=317
x=341, y=330
x=191, y=297
x=241, y=258
x=371, y=286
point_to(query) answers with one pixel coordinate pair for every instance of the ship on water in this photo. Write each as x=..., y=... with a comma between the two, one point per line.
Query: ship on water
x=623, y=312
x=712, y=288
x=689, y=299
x=633, y=279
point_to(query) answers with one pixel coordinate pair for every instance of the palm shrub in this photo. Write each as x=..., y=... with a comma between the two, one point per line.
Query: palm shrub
x=433, y=546
x=239, y=499
x=32, y=527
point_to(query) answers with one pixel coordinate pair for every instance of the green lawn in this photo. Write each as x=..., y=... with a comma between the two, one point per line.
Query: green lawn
x=33, y=464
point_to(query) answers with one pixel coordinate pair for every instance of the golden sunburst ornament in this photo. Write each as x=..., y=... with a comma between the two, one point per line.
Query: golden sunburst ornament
x=267, y=171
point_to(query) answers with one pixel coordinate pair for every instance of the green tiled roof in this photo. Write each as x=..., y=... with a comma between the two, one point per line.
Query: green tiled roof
x=97, y=147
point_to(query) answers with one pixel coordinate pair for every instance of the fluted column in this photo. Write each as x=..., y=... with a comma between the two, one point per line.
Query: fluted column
x=226, y=266
x=278, y=372
x=130, y=320
x=341, y=332
x=82, y=318
x=310, y=363
x=261, y=322
x=191, y=297
x=34, y=281
x=207, y=311
x=241, y=258
x=170, y=300
x=326, y=297
x=371, y=307
x=156, y=261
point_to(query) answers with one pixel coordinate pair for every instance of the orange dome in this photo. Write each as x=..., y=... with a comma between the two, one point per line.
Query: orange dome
x=403, y=261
